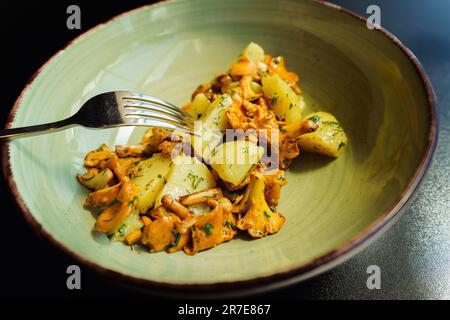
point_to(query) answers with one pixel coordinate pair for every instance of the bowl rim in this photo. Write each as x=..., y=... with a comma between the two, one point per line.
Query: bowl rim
x=262, y=284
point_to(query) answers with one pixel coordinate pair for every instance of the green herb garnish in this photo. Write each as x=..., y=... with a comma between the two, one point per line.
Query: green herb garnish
x=131, y=203
x=333, y=123
x=161, y=177
x=195, y=180
x=207, y=228
x=315, y=119
x=274, y=100
x=267, y=214
x=222, y=99
x=148, y=184
x=175, y=243
x=121, y=230
x=282, y=129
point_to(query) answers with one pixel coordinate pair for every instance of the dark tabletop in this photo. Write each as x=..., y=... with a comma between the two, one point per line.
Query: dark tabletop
x=413, y=255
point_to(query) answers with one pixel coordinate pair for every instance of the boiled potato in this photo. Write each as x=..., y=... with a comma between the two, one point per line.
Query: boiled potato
x=215, y=117
x=285, y=102
x=254, y=52
x=132, y=223
x=199, y=106
x=186, y=176
x=150, y=176
x=233, y=160
x=212, y=125
x=329, y=139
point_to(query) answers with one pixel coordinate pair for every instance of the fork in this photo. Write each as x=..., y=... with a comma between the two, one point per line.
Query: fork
x=115, y=109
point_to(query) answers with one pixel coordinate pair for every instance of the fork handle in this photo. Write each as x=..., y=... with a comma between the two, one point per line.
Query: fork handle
x=37, y=129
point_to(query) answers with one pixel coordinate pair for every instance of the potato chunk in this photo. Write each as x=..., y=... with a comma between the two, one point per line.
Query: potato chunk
x=199, y=106
x=254, y=52
x=186, y=176
x=150, y=176
x=286, y=104
x=233, y=160
x=212, y=126
x=329, y=139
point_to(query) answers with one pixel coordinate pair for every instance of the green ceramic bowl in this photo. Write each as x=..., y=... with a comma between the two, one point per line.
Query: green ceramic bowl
x=367, y=78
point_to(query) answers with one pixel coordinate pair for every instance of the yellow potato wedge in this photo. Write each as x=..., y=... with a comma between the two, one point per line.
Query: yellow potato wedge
x=199, y=106
x=150, y=176
x=213, y=124
x=254, y=52
x=329, y=139
x=233, y=160
x=286, y=104
x=186, y=176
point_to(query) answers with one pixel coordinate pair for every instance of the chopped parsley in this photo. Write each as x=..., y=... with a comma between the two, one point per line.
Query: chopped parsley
x=175, y=243
x=148, y=184
x=267, y=214
x=163, y=178
x=274, y=100
x=131, y=203
x=334, y=124
x=315, y=119
x=282, y=129
x=121, y=230
x=221, y=101
x=194, y=179
x=207, y=228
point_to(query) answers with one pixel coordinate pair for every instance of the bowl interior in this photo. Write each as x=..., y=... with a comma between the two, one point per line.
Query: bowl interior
x=166, y=50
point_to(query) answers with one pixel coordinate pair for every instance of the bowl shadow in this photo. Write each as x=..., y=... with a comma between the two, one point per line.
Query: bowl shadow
x=310, y=162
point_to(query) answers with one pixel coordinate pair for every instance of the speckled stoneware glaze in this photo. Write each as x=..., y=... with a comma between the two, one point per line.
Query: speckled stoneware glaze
x=372, y=83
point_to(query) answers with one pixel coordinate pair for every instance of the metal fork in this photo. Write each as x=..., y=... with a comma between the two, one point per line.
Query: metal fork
x=116, y=109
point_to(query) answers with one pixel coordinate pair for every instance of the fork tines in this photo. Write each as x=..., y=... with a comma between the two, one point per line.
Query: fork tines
x=145, y=110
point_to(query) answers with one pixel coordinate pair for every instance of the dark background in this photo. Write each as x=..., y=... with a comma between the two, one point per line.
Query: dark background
x=414, y=255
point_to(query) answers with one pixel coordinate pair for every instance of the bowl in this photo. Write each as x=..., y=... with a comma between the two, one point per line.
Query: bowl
x=367, y=78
